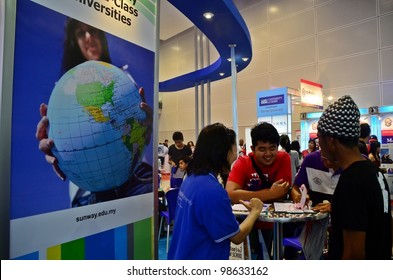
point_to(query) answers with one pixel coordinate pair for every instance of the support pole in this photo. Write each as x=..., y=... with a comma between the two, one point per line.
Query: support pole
x=234, y=90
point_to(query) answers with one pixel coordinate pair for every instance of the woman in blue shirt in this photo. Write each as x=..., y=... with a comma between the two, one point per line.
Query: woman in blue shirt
x=204, y=223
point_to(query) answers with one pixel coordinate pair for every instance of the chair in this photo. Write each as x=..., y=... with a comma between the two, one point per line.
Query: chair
x=294, y=242
x=169, y=214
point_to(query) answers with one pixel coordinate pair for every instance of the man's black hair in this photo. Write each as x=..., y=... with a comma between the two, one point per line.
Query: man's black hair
x=177, y=136
x=264, y=132
x=365, y=130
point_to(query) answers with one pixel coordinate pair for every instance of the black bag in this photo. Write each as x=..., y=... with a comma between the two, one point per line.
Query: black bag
x=264, y=182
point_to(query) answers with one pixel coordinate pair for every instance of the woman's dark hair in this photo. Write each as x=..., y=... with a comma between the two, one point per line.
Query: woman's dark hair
x=315, y=144
x=373, y=148
x=211, y=150
x=190, y=144
x=295, y=145
x=72, y=55
x=186, y=159
x=264, y=132
x=285, y=143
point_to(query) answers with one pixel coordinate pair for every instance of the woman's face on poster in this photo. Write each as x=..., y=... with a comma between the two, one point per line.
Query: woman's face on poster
x=388, y=122
x=89, y=41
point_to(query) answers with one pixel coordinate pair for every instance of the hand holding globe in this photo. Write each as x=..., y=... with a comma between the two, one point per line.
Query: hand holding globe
x=100, y=125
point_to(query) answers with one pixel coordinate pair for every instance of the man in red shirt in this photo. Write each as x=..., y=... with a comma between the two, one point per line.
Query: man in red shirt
x=264, y=173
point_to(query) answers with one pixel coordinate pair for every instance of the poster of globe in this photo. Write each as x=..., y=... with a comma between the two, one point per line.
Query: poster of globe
x=97, y=126
x=82, y=118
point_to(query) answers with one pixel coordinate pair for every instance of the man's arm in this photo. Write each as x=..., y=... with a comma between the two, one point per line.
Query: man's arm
x=170, y=161
x=301, y=178
x=277, y=191
x=295, y=194
x=354, y=245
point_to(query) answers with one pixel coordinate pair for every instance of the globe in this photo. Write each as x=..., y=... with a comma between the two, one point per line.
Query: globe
x=96, y=123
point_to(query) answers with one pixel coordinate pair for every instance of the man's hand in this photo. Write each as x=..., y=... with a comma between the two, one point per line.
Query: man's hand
x=323, y=207
x=296, y=195
x=279, y=189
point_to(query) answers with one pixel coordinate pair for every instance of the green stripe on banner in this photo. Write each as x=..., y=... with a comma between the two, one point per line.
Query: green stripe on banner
x=74, y=250
x=148, y=9
x=143, y=240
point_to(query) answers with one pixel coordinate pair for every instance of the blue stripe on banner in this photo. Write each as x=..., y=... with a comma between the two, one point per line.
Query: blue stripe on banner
x=100, y=246
x=121, y=243
x=31, y=256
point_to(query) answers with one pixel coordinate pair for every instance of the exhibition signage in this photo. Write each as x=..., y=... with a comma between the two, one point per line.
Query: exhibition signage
x=387, y=129
x=386, y=155
x=104, y=208
x=311, y=94
x=312, y=132
x=272, y=102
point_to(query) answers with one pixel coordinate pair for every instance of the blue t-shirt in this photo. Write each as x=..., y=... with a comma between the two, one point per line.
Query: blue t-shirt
x=204, y=221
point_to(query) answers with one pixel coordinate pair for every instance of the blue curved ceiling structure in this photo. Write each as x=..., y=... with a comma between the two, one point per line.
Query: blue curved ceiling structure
x=225, y=28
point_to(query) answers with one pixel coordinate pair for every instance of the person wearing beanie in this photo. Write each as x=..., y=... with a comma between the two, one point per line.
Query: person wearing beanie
x=360, y=209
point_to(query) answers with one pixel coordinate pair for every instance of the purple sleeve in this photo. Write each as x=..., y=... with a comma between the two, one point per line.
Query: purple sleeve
x=301, y=176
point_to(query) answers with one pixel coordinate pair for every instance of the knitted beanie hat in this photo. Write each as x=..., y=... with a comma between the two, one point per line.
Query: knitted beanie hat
x=341, y=120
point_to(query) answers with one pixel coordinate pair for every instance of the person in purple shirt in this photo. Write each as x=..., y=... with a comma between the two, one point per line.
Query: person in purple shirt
x=319, y=175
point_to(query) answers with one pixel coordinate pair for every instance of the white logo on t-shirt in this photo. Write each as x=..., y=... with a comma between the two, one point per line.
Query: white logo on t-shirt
x=385, y=194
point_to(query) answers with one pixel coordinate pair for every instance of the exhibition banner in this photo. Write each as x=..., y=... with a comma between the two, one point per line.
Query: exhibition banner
x=132, y=20
x=272, y=102
x=387, y=129
x=312, y=132
x=311, y=94
x=282, y=124
x=83, y=92
x=387, y=165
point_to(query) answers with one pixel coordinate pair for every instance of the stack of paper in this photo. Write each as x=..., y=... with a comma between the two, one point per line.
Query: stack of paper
x=289, y=207
x=241, y=208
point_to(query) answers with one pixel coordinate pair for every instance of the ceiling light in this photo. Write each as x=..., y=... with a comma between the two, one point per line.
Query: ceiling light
x=245, y=58
x=273, y=9
x=229, y=59
x=208, y=15
x=221, y=74
x=330, y=97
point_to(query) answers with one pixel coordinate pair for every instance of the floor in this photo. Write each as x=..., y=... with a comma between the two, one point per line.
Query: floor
x=162, y=248
x=162, y=255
